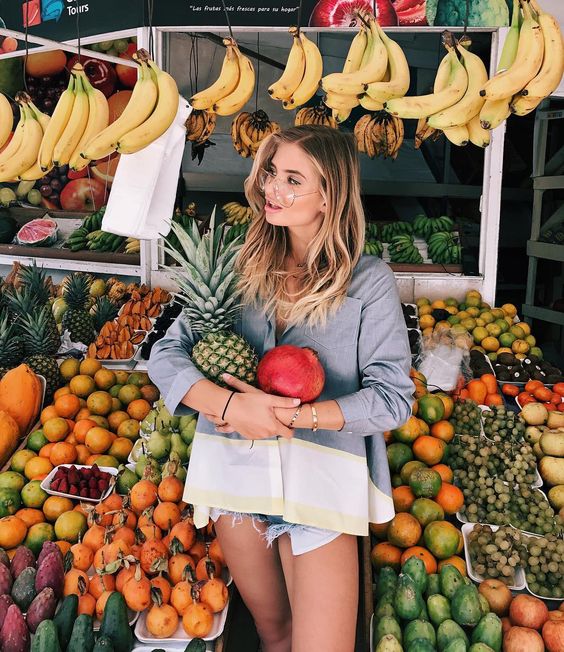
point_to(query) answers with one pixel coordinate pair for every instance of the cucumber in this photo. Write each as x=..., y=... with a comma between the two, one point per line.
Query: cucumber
x=82, y=637
x=45, y=638
x=64, y=619
x=115, y=623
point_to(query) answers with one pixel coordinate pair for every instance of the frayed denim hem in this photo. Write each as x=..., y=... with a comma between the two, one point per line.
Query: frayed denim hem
x=273, y=531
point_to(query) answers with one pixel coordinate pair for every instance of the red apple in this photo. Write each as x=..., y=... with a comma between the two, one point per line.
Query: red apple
x=497, y=594
x=411, y=12
x=100, y=73
x=343, y=13
x=521, y=639
x=83, y=195
x=77, y=174
x=528, y=611
x=126, y=74
x=553, y=635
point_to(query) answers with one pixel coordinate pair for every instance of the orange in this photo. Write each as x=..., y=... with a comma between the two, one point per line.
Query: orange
x=423, y=554
x=444, y=471
x=450, y=498
x=138, y=409
x=62, y=391
x=71, y=439
x=67, y=406
x=117, y=418
x=448, y=404
x=30, y=516
x=429, y=449
x=99, y=439
x=37, y=467
x=101, y=604
x=48, y=413
x=385, y=554
x=81, y=428
x=91, y=459
x=46, y=450
x=82, y=453
x=120, y=448
x=56, y=429
x=83, y=413
x=403, y=498
x=116, y=405
x=404, y=530
x=89, y=366
x=443, y=430
x=104, y=379
x=426, y=321
x=63, y=452
x=129, y=429
x=455, y=561
x=82, y=385
x=54, y=506
x=99, y=403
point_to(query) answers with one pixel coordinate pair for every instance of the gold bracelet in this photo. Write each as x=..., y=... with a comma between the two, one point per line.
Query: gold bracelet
x=314, y=417
x=296, y=415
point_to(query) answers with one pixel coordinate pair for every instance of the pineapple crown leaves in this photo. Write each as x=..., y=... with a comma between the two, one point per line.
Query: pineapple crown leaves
x=38, y=329
x=104, y=310
x=76, y=290
x=20, y=301
x=34, y=278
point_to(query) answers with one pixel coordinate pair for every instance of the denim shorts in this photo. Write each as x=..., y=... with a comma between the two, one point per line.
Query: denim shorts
x=303, y=538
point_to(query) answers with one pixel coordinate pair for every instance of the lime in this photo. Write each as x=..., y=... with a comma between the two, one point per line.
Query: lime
x=37, y=535
x=12, y=480
x=36, y=441
x=20, y=459
x=33, y=495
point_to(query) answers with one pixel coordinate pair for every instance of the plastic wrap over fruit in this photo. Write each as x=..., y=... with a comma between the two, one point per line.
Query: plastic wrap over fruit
x=444, y=359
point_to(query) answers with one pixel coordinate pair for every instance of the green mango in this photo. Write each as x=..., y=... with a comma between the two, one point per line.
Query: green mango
x=417, y=629
x=439, y=609
x=465, y=606
x=488, y=631
x=415, y=568
x=450, y=580
x=447, y=631
x=383, y=626
x=386, y=582
x=389, y=643
x=177, y=445
x=433, y=585
x=408, y=601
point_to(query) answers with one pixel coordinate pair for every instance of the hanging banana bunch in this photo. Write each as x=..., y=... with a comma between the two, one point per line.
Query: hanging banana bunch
x=236, y=213
x=379, y=134
x=316, y=115
x=21, y=152
x=248, y=130
x=6, y=119
x=424, y=132
x=234, y=86
x=200, y=125
x=302, y=73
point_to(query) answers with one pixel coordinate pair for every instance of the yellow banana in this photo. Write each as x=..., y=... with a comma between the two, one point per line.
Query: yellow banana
x=34, y=173
x=236, y=100
x=161, y=118
x=527, y=62
x=293, y=72
x=355, y=83
x=494, y=112
x=552, y=68
x=139, y=108
x=457, y=135
x=443, y=72
x=13, y=146
x=75, y=126
x=26, y=154
x=312, y=75
x=509, y=51
x=98, y=119
x=523, y=104
x=370, y=104
x=398, y=84
x=56, y=126
x=341, y=102
x=41, y=117
x=225, y=84
x=420, y=106
x=471, y=102
x=356, y=51
x=477, y=134
x=6, y=119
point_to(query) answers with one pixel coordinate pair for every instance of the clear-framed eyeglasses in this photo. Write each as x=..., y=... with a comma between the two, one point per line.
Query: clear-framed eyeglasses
x=284, y=193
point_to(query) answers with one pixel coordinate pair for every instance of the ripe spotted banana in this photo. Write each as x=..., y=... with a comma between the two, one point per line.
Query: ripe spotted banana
x=225, y=84
x=161, y=118
x=379, y=135
x=312, y=75
x=477, y=134
x=524, y=104
x=248, y=130
x=315, y=115
x=56, y=126
x=494, y=112
x=236, y=100
x=457, y=135
x=293, y=72
x=76, y=125
x=138, y=109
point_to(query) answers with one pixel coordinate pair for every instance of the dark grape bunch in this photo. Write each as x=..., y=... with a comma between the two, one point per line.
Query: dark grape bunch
x=496, y=554
x=466, y=418
x=46, y=91
x=51, y=185
x=544, y=566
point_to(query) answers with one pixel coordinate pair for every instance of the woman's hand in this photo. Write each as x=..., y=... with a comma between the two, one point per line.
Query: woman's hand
x=251, y=412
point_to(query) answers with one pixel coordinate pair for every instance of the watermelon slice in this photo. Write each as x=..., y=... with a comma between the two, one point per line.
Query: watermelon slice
x=38, y=233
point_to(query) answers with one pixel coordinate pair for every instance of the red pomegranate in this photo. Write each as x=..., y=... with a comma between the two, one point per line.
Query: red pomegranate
x=288, y=370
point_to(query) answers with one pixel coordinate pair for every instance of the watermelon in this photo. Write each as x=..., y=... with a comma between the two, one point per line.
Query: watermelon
x=38, y=233
x=8, y=229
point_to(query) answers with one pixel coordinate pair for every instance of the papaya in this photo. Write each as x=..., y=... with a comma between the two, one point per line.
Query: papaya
x=417, y=629
x=9, y=435
x=458, y=645
x=383, y=626
x=388, y=643
x=450, y=580
x=439, y=609
x=387, y=581
x=408, y=601
x=115, y=624
x=433, y=585
x=447, y=631
x=65, y=618
x=82, y=637
x=488, y=631
x=21, y=394
x=420, y=645
x=480, y=647
x=465, y=606
x=46, y=639
x=415, y=568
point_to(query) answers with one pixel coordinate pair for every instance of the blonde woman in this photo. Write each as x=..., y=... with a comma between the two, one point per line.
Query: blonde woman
x=288, y=509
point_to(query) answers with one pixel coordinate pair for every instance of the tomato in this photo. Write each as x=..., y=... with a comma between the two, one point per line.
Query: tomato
x=83, y=195
x=549, y=406
x=559, y=388
x=510, y=390
x=556, y=398
x=525, y=397
x=560, y=408
x=542, y=394
x=532, y=385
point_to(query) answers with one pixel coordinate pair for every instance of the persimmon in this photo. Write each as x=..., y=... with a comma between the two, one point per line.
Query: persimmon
x=197, y=620
x=180, y=597
x=125, y=518
x=124, y=575
x=113, y=502
x=82, y=556
x=150, y=532
x=125, y=534
x=143, y=494
x=177, y=565
x=146, y=517
x=170, y=489
x=86, y=604
x=214, y=593
x=162, y=619
x=161, y=583
x=101, y=515
x=101, y=583
x=152, y=551
x=215, y=552
x=101, y=604
x=137, y=592
x=166, y=515
x=204, y=568
x=76, y=581
x=185, y=532
x=198, y=550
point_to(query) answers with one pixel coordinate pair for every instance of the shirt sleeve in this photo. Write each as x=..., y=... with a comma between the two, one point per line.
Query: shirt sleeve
x=384, y=358
x=171, y=368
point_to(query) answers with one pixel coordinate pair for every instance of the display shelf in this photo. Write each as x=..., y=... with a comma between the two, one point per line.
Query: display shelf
x=548, y=183
x=99, y=265
x=544, y=314
x=545, y=250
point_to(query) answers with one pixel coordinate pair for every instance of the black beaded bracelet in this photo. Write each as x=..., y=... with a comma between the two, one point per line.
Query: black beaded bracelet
x=227, y=405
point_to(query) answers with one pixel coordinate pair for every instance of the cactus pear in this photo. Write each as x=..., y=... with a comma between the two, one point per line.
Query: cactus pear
x=5, y=580
x=5, y=602
x=23, y=558
x=42, y=608
x=14, y=636
x=51, y=573
x=48, y=547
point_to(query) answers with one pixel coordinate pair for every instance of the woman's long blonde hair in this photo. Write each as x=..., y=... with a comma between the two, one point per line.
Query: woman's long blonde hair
x=332, y=254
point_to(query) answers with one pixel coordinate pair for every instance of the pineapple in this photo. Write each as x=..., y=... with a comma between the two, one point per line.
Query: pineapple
x=35, y=280
x=77, y=320
x=207, y=284
x=103, y=311
x=40, y=346
x=11, y=346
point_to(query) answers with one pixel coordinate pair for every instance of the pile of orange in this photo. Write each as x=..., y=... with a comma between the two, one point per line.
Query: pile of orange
x=155, y=528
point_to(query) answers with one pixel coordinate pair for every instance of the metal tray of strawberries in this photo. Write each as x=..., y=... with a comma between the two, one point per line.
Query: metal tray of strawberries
x=48, y=480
